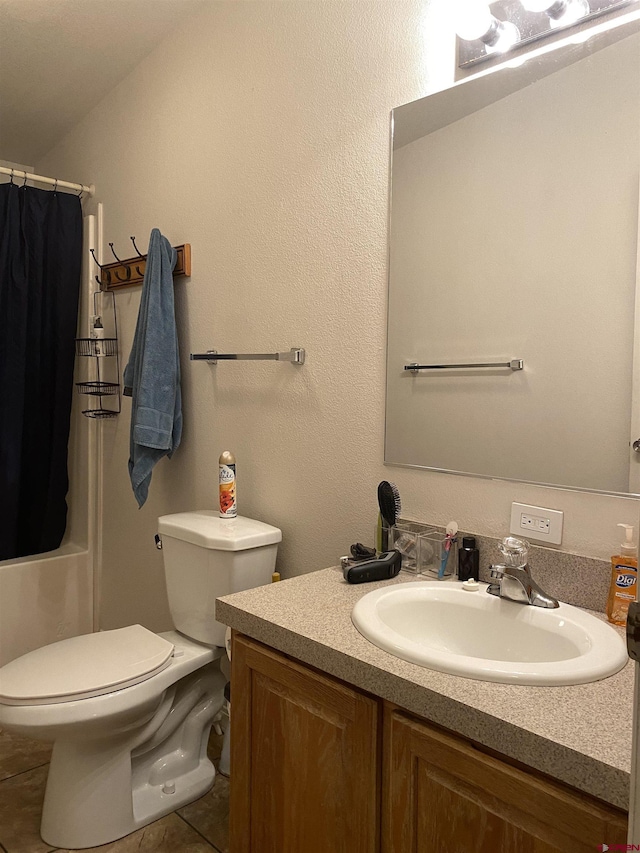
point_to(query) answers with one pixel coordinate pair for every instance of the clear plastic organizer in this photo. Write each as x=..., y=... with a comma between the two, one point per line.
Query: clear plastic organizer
x=433, y=555
x=423, y=552
x=407, y=541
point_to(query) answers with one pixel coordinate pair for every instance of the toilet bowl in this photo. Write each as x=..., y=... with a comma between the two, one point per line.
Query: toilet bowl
x=129, y=711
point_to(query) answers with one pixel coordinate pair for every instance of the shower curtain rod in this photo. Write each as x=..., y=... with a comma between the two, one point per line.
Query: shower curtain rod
x=28, y=176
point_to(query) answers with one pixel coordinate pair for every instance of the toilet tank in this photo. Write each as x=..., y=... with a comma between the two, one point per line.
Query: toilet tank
x=206, y=556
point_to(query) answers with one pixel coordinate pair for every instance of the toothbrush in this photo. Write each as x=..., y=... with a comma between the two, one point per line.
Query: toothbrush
x=452, y=532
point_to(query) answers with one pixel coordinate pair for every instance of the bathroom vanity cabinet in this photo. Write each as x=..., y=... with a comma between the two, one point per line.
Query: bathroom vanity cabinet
x=444, y=793
x=305, y=753
x=322, y=767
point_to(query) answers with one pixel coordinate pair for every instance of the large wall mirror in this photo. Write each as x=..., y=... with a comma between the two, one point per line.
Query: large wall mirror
x=514, y=236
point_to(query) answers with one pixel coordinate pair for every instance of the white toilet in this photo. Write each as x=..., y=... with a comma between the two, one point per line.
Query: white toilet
x=129, y=711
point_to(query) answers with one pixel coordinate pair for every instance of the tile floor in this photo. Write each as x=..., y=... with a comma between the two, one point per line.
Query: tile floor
x=201, y=827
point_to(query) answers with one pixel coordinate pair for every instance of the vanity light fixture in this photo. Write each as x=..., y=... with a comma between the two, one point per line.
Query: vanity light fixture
x=485, y=29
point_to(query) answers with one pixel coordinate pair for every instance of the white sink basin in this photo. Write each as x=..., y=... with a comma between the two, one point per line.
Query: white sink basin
x=441, y=626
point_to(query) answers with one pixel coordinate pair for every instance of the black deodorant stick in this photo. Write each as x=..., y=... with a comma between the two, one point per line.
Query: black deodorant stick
x=468, y=560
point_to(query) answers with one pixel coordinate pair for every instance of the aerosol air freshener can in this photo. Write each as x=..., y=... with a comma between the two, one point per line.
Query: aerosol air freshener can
x=227, y=485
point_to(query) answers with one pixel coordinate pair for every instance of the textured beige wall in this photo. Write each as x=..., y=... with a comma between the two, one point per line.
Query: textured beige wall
x=259, y=134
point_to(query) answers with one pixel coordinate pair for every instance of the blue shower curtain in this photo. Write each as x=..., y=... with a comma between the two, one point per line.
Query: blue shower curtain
x=40, y=271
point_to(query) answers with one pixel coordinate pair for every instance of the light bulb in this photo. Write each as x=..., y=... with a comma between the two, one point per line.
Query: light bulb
x=473, y=19
x=506, y=36
x=561, y=13
x=573, y=11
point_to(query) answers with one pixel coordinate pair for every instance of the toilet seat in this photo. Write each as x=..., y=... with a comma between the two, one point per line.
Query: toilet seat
x=85, y=666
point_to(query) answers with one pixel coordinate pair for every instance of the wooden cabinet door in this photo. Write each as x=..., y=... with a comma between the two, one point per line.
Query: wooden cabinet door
x=441, y=795
x=304, y=759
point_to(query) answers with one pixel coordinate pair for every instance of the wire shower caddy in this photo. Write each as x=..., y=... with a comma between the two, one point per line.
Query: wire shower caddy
x=99, y=348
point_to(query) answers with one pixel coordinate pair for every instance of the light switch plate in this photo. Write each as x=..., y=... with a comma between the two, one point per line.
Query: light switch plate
x=537, y=523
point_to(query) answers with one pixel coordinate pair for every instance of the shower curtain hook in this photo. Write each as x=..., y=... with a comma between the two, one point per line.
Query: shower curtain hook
x=11, y=178
x=55, y=186
x=24, y=183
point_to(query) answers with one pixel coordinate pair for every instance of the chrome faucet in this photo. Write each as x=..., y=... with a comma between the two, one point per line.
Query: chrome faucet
x=513, y=579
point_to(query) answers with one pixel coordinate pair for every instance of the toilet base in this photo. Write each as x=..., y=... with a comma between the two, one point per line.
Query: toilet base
x=152, y=802
x=101, y=790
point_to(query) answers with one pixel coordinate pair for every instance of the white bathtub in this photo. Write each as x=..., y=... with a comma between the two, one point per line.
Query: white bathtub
x=49, y=597
x=44, y=598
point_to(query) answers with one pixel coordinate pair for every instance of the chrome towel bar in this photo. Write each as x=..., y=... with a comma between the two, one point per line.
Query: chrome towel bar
x=514, y=364
x=295, y=356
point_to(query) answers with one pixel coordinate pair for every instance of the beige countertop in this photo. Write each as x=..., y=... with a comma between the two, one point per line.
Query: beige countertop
x=580, y=735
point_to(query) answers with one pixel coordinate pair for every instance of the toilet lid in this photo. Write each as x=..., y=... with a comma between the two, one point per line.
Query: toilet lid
x=80, y=667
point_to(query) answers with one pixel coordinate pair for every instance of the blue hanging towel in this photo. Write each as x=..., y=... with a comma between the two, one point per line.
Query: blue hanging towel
x=152, y=376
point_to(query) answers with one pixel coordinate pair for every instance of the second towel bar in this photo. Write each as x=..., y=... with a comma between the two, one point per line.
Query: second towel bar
x=295, y=355
x=514, y=364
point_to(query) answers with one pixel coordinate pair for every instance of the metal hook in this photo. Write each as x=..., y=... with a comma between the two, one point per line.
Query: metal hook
x=81, y=193
x=128, y=275
x=107, y=275
x=114, y=254
x=55, y=186
x=133, y=240
x=24, y=183
x=93, y=255
x=11, y=179
x=141, y=274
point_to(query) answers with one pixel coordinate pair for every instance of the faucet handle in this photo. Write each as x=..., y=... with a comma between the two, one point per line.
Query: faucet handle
x=497, y=572
x=514, y=551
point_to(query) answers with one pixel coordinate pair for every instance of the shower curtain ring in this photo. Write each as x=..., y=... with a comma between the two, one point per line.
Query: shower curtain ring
x=55, y=186
x=11, y=178
x=24, y=183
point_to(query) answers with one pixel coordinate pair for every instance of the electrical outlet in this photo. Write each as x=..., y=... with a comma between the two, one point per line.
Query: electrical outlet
x=537, y=522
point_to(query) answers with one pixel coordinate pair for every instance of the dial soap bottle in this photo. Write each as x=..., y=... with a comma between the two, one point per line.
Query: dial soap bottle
x=624, y=579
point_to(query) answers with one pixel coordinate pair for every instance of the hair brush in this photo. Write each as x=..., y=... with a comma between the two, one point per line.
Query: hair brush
x=390, y=508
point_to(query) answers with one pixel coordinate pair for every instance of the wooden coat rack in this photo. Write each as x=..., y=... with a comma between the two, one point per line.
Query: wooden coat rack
x=129, y=272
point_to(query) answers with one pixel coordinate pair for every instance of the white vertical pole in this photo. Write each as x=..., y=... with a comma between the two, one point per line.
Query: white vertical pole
x=84, y=325
x=98, y=457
